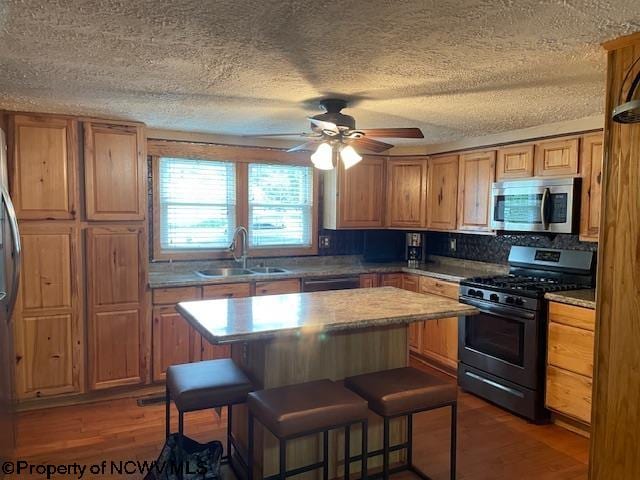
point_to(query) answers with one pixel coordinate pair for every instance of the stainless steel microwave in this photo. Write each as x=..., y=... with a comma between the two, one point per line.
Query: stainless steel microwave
x=540, y=205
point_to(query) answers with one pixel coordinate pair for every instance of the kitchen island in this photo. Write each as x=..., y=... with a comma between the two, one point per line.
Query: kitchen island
x=294, y=338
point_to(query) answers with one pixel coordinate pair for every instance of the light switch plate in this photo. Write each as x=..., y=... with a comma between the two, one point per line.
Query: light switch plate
x=453, y=244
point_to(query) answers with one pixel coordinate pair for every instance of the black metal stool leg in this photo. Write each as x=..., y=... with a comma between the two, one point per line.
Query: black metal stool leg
x=250, y=448
x=325, y=455
x=365, y=450
x=410, y=439
x=385, y=450
x=167, y=400
x=283, y=459
x=454, y=436
x=347, y=451
x=181, y=458
x=229, y=423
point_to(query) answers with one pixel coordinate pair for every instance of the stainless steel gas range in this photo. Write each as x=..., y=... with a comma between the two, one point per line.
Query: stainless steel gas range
x=502, y=350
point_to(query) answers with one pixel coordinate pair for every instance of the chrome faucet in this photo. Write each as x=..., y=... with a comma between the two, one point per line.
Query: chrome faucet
x=234, y=244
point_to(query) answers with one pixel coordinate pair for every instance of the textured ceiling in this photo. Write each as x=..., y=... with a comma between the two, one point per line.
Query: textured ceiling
x=454, y=68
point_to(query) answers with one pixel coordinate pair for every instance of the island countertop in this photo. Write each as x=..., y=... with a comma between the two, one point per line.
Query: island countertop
x=256, y=318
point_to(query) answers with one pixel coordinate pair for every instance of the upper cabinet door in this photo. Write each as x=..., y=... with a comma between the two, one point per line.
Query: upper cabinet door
x=592, y=158
x=514, y=162
x=557, y=157
x=442, y=193
x=406, y=192
x=44, y=162
x=115, y=167
x=476, y=174
x=361, y=194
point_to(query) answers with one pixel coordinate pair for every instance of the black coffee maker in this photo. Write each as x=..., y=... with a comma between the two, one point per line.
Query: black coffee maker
x=414, y=250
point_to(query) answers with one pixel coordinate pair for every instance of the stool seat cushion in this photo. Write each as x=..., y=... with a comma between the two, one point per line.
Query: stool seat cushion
x=209, y=384
x=313, y=406
x=402, y=390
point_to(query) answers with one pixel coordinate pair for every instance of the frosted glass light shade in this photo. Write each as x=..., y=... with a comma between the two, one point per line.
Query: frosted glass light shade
x=349, y=156
x=323, y=157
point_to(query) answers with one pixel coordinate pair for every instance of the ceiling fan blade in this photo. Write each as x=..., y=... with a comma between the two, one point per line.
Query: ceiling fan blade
x=370, y=144
x=392, y=132
x=310, y=145
x=332, y=127
x=297, y=134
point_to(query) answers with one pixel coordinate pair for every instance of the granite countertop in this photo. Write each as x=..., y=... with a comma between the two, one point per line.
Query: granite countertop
x=579, y=298
x=256, y=318
x=451, y=270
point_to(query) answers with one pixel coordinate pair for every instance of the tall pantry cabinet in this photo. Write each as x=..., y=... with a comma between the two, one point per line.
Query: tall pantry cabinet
x=78, y=186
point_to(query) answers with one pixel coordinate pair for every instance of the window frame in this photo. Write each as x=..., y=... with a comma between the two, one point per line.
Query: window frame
x=242, y=157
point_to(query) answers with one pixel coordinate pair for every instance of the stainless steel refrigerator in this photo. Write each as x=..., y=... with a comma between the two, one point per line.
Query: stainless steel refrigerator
x=9, y=279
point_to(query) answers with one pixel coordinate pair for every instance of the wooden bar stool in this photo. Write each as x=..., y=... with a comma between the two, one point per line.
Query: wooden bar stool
x=404, y=392
x=204, y=385
x=305, y=409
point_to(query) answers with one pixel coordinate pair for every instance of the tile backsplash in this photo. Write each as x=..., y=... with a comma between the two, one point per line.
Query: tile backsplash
x=495, y=249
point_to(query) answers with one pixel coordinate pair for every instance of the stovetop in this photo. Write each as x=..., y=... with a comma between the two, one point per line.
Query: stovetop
x=524, y=284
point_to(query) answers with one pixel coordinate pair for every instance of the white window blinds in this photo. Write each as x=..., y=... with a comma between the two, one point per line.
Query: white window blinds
x=197, y=204
x=280, y=205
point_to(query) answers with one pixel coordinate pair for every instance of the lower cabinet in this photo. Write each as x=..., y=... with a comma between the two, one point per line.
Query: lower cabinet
x=48, y=331
x=391, y=280
x=369, y=280
x=118, y=334
x=411, y=283
x=570, y=353
x=440, y=337
x=174, y=341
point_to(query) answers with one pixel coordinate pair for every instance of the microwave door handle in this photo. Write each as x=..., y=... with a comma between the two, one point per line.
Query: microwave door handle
x=543, y=208
x=16, y=251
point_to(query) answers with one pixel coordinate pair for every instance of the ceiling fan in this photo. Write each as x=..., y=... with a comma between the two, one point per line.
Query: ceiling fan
x=334, y=133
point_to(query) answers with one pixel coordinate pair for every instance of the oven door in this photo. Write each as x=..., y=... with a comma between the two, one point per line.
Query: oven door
x=534, y=206
x=501, y=340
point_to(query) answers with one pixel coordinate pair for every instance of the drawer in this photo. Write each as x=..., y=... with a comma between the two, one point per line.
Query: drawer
x=411, y=283
x=169, y=296
x=278, y=287
x=573, y=316
x=439, y=287
x=571, y=348
x=569, y=393
x=227, y=290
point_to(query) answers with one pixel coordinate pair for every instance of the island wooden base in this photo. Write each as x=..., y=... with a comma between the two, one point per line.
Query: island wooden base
x=286, y=361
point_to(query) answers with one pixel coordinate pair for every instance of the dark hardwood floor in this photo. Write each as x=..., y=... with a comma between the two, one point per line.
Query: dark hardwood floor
x=493, y=444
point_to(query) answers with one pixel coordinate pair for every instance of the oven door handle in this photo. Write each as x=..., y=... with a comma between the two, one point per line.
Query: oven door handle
x=500, y=311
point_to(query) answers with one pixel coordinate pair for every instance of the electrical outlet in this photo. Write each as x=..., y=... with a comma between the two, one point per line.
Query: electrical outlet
x=323, y=241
x=452, y=244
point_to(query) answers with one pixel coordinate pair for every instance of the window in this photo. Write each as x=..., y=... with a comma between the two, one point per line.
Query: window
x=197, y=204
x=280, y=205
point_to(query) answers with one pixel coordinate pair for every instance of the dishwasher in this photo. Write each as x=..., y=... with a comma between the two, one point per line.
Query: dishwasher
x=330, y=283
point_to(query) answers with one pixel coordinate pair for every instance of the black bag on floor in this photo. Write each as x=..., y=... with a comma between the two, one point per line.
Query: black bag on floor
x=199, y=461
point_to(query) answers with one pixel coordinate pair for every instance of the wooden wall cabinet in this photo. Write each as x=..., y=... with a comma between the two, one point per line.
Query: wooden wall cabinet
x=591, y=166
x=514, y=162
x=557, y=157
x=115, y=171
x=570, y=356
x=442, y=193
x=355, y=198
x=440, y=337
x=44, y=162
x=118, y=330
x=48, y=324
x=406, y=192
x=476, y=175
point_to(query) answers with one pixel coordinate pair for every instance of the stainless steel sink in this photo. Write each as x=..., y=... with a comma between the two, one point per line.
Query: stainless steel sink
x=268, y=270
x=224, y=272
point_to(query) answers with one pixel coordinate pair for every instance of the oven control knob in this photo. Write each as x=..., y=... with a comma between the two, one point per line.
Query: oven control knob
x=494, y=297
x=471, y=292
x=519, y=301
x=510, y=299
x=480, y=294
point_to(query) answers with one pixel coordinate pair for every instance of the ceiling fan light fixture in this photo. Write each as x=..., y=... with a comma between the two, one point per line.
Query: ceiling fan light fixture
x=349, y=156
x=323, y=157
